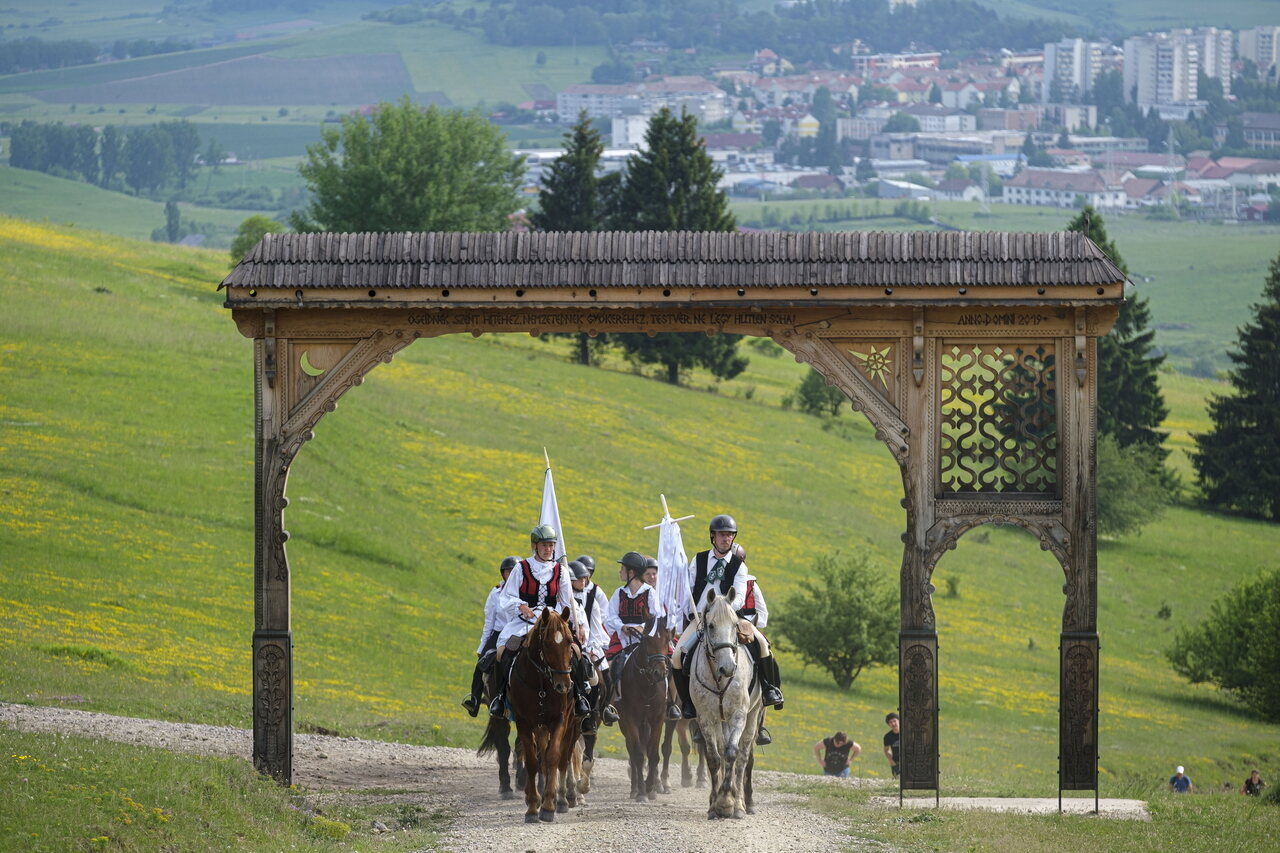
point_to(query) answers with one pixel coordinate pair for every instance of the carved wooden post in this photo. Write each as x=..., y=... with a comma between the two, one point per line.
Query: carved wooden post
x=918, y=634
x=1078, y=647
x=272, y=634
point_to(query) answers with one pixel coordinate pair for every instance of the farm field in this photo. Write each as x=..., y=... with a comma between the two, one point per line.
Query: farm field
x=125, y=533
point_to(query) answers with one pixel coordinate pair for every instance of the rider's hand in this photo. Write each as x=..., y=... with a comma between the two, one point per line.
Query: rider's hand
x=526, y=611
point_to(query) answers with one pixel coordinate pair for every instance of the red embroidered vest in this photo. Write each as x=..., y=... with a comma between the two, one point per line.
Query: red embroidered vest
x=530, y=586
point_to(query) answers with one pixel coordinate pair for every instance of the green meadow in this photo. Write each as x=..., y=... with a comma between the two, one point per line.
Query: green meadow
x=126, y=447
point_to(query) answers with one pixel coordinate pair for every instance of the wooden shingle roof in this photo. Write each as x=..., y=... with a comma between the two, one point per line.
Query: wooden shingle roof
x=674, y=258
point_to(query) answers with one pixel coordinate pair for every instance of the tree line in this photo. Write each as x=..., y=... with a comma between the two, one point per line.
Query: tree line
x=804, y=32
x=34, y=54
x=145, y=159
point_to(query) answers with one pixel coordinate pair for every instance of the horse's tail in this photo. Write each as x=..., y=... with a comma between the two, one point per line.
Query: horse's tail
x=494, y=733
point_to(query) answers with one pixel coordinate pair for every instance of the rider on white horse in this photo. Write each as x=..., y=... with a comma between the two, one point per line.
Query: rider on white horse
x=535, y=584
x=493, y=624
x=722, y=568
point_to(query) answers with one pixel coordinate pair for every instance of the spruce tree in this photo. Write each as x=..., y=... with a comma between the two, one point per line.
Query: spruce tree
x=672, y=187
x=1238, y=461
x=1130, y=404
x=573, y=198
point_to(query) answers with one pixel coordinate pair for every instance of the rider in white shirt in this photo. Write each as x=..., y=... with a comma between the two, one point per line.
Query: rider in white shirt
x=488, y=638
x=722, y=568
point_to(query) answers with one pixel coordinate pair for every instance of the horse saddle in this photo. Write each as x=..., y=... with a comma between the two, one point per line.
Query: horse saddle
x=488, y=659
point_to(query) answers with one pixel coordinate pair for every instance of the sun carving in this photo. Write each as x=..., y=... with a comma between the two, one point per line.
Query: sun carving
x=877, y=364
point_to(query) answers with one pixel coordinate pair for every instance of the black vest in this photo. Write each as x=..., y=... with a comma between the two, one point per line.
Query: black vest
x=587, y=605
x=633, y=611
x=700, y=575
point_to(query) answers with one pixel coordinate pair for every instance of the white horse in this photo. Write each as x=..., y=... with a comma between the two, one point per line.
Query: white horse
x=728, y=706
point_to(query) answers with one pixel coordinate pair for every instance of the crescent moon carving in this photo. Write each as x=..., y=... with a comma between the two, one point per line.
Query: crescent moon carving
x=307, y=368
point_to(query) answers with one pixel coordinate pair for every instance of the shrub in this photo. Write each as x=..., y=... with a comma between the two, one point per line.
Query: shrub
x=1235, y=647
x=816, y=397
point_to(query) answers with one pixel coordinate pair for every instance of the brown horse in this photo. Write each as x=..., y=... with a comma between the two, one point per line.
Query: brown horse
x=642, y=708
x=541, y=697
x=681, y=728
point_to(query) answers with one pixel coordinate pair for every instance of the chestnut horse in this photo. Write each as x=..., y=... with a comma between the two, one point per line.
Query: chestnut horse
x=642, y=708
x=541, y=698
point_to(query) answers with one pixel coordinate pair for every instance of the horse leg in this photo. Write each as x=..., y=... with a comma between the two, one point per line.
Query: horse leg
x=668, y=729
x=503, y=746
x=527, y=741
x=746, y=785
x=712, y=751
x=654, y=738
x=635, y=757
x=548, y=765
x=588, y=763
x=682, y=731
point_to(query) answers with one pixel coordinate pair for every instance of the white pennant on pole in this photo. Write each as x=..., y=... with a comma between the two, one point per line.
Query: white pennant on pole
x=550, y=513
x=674, y=596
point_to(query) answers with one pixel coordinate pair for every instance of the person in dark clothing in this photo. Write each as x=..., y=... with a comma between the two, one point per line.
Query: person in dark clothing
x=834, y=754
x=892, y=741
x=1253, y=785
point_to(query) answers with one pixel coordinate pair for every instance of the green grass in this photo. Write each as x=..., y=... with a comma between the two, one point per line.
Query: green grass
x=76, y=203
x=126, y=525
x=1211, y=822
x=1131, y=16
x=74, y=793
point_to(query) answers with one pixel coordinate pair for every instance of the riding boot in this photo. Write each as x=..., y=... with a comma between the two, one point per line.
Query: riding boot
x=581, y=703
x=472, y=702
x=498, y=707
x=608, y=714
x=682, y=687
x=763, y=738
x=767, y=673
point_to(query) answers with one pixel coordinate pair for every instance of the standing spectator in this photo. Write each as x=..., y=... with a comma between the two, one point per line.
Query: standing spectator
x=1180, y=782
x=834, y=754
x=892, y=741
x=1253, y=785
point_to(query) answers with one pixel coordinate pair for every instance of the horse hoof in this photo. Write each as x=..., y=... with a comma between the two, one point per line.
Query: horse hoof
x=653, y=795
x=508, y=795
x=547, y=816
x=751, y=810
x=739, y=814
x=531, y=818
x=711, y=815
x=665, y=789
x=562, y=808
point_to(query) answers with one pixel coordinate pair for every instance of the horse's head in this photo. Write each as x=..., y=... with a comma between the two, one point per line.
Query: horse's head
x=655, y=643
x=720, y=630
x=550, y=648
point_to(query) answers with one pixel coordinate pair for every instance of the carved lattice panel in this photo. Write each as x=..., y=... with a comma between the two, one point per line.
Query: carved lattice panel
x=998, y=418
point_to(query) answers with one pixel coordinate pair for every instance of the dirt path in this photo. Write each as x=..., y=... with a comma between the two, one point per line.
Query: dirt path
x=456, y=781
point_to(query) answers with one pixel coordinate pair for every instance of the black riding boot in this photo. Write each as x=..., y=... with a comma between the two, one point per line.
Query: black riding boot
x=682, y=687
x=472, y=702
x=770, y=678
x=763, y=738
x=498, y=707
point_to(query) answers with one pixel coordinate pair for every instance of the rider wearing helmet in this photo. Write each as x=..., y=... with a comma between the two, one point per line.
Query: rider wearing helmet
x=592, y=606
x=722, y=568
x=632, y=603
x=536, y=583
x=486, y=652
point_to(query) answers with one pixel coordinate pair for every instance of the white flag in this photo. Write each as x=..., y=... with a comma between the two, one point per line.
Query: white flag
x=674, y=595
x=551, y=512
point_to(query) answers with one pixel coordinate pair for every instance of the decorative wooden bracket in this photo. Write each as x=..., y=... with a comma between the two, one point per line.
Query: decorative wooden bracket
x=269, y=344
x=917, y=345
x=1082, y=369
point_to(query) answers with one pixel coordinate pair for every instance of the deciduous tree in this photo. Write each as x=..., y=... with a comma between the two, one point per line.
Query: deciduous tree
x=843, y=619
x=409, y=169
x=250, y=232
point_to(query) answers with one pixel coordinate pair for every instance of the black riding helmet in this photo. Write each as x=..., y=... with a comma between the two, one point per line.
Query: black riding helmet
x=721, y=523
x=579, y=570
x=634, y=562
x=507, y=564
x=589, y=562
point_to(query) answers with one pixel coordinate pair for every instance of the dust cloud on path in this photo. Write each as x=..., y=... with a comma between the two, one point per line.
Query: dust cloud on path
x=465, y=787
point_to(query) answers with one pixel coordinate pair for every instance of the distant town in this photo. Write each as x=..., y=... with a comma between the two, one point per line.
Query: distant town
x=1183, y=121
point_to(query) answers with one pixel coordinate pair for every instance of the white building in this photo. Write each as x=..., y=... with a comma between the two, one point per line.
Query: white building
x=629, y=131
x=1214, y=46
x=1160, y=69
x=1261, y=45
x=701, y=98
x=1062, y=188
x=1073, y=64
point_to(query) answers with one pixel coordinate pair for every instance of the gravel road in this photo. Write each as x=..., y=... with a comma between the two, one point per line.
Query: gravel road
x=457, y=782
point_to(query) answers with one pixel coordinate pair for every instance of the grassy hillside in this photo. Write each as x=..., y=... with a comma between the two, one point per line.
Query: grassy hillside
x=1134, y=16
x=69, y=202
x=126, y=536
